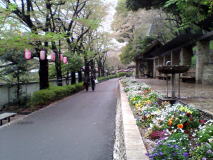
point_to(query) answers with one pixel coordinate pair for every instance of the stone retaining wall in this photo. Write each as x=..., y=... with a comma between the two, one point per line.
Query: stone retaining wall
x=128, y=133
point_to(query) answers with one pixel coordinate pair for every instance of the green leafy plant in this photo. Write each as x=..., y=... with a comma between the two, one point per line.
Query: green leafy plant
x=206, y=133
x=183, y=117
x=204, y=151
x=51, y=94
x=175, y=147
x=147, y=115
x=121, y=74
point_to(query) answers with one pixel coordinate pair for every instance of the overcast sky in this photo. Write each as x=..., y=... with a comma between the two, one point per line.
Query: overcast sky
x=106, y=25
x=111, y=12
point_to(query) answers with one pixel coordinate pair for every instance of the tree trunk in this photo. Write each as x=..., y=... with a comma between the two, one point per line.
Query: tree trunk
x=93, y=72
x=58, y=70
x=57, y=65
x=99, y=69
x=67, y=78
x=80, y=78
x=43, y=74
x=18, y=88
x=102, y=71
x=73, y=78
x=86, y=71
x=99, y=72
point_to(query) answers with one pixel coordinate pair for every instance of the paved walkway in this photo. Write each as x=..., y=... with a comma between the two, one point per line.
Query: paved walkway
x=201, y=96
x=80, y=127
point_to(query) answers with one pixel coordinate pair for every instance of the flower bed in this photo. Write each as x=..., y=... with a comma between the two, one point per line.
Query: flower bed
x=175, y=132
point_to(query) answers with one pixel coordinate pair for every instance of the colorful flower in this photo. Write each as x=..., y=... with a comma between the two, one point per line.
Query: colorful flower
x=169, y=122
x=202, y=121
x=180, y=126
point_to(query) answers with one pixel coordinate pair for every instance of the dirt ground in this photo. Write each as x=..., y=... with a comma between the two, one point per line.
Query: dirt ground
x=201, y=96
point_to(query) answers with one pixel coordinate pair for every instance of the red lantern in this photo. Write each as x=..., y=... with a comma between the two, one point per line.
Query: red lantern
x=42, y=55
x=61, y=57
x=27, y=54
x=53, y=56
x=65, y=60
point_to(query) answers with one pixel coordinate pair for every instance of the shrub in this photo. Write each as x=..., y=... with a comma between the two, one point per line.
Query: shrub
x=51, y=94
x=120, y=74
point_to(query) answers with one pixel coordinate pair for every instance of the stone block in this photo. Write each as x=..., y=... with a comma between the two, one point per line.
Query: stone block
x=207, y=74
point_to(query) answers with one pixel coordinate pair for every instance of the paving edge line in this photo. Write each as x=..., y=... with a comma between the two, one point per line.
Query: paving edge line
x=135, y=148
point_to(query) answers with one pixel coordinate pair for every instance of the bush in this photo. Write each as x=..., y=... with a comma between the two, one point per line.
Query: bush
x=51, y=94
x=117, y=75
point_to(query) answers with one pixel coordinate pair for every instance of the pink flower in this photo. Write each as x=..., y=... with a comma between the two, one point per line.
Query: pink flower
x=202, y=121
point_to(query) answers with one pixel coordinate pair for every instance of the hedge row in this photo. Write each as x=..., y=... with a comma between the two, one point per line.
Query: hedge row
x=121, y=74
x=51, y=94
x=46, y=96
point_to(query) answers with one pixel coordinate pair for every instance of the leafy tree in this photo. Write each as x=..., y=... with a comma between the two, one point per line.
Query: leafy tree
x=190, y=12
x=101, y=46
x=50, y=24
x=127, y=54
x=75, y=65
x=134, y=48
x=15, y=70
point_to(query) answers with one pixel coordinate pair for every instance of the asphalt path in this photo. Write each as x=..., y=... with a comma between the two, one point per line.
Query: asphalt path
x=80, y=127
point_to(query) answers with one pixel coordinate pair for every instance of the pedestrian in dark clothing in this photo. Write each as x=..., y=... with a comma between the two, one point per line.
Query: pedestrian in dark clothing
x=93, y=83
x=86, y=84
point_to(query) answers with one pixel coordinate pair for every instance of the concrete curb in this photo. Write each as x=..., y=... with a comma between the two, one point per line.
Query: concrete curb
x=135, y=148
x=119, y=152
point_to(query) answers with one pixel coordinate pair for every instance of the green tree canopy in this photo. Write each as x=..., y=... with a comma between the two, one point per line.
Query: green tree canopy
x=134, y=48
x=190, y=12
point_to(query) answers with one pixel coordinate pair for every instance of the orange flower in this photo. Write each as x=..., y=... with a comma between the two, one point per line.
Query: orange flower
x=180, y=125
x=170, y=122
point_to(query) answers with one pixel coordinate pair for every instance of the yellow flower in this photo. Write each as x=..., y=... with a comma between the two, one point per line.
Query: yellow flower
x=185, y=109
x=148, y=102
x=169, y=122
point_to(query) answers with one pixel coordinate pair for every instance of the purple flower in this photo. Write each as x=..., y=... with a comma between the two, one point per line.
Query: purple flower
x=209, y=151
x=204, y=158
x=174, y=154
x=147, y=154
x=185, y=154
x=155, y=154
x=160, y=153
x=176, y=146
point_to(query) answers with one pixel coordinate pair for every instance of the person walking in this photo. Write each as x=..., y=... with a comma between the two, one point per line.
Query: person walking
x=93, y=83
x=86, y=84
